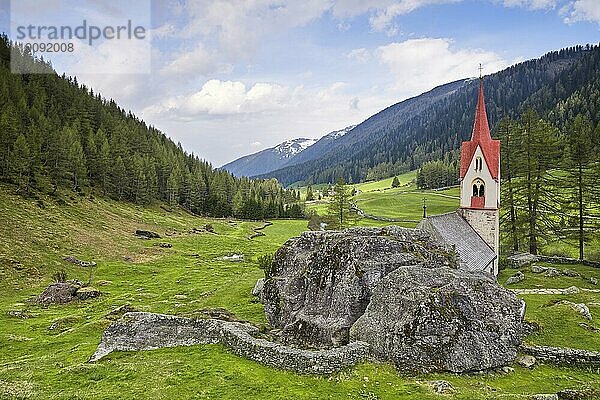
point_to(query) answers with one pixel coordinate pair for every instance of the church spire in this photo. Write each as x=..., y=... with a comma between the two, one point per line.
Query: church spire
x=481, y=129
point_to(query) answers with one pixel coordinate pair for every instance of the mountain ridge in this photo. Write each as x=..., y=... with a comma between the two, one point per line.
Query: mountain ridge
x=279, y=156
x=432, y=125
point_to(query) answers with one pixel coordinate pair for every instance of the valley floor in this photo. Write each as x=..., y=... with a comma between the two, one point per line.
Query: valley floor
x=44, y=351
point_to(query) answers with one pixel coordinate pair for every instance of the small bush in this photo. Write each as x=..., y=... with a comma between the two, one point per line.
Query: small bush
x=593, y=255
x=314, y=224
x=60, y=276
x=557, y=252
x=265, y=262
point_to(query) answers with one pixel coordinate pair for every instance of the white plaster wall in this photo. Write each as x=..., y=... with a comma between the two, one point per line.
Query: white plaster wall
x=492, y=192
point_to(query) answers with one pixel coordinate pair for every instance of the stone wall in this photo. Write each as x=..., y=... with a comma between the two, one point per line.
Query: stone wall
x=520, y=259
x=146, y=331
x=562, y=355
x=240, y=340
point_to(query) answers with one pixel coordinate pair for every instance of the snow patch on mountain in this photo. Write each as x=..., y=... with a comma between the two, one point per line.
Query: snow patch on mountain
x=340, y=133
x=290, y=148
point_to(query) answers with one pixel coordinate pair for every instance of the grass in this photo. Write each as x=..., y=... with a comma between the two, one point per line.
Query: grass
x=41, y=363
x=385, y=184
x=560, y=324
x=404, y=203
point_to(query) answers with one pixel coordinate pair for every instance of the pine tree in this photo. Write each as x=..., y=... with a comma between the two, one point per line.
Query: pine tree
x=395, y=182
x=509, y=154
x=309, y=194
x=77, y=164
x=20, y=163
x=537, y=143
x=579, y=183
x=339, y=207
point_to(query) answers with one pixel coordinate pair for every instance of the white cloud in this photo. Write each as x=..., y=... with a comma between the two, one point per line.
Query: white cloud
x=361, y=55
x=421, y=64
x=531, y=4
x=382, y=11
x=198, y=61
x=582, y=10
x=223, y=98
x=163, y=31
x=238, y=25
x=382, y=19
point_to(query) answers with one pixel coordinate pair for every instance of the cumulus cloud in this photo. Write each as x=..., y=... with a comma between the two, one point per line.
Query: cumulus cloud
x=218, y=97
x=420, y=64
x=582, y=10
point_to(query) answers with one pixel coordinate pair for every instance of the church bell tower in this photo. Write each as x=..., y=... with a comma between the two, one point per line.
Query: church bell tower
x=480, y=180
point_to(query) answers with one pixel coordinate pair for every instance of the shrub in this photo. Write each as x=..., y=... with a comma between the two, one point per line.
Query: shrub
x=60, y=276
x=265, y=262
x=593, y=255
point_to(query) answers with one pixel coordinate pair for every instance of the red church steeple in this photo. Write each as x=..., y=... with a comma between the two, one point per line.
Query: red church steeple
x=481, y=137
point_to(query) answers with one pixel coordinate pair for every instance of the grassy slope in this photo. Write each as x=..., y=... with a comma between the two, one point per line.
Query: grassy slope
x=403, y=203
x=36, y=362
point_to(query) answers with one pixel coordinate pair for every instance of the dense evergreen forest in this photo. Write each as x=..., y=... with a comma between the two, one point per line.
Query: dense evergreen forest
x=58, y=134
x=558, y=86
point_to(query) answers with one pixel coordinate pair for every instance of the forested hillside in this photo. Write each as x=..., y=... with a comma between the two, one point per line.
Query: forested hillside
x=431, y=126
x=58, y=134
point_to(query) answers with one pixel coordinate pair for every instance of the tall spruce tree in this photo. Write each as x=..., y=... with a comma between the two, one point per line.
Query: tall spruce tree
x=579, y=186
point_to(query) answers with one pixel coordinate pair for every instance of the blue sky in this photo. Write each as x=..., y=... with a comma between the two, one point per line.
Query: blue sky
x=231, y=77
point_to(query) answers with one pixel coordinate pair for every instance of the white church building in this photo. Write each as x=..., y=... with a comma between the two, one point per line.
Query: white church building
x=473, y=230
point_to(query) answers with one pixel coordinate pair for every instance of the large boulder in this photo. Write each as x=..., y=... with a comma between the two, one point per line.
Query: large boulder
x=321, y=282
x=441, y=319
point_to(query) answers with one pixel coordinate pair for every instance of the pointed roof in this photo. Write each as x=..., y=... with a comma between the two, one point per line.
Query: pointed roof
x=481, y=137
x=481, y=128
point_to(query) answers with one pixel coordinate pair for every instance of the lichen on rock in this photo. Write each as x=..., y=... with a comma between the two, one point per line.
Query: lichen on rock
x=396, y=289
x=321, y=282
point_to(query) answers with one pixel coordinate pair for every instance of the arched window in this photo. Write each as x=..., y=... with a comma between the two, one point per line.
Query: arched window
x=478, y=188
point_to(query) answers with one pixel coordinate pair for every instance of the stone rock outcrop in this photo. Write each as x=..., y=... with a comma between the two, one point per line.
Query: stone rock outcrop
x=516, y=278
x=65, y=292
x=57, y=293
x=146, y=234
x=75, y=260
x=320, y=283
x=258, y=288
x=146, y=331
x=441, y=319
x=519, y=260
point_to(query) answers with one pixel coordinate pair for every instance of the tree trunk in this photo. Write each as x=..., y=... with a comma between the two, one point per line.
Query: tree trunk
x=581, y=231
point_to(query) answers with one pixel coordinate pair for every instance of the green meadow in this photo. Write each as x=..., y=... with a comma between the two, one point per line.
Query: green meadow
x=44, y=350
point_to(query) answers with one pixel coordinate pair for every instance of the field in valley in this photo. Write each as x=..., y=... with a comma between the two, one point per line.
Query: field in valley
x=44, y=351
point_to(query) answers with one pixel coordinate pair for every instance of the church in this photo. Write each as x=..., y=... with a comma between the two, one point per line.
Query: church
x=473, y=229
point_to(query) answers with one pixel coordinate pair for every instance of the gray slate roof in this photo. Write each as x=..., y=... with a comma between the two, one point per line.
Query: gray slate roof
x=453, y=230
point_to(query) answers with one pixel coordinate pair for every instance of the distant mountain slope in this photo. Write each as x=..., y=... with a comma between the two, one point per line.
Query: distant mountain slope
x=282, y=155
x=432, y=125
x=322, y=146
